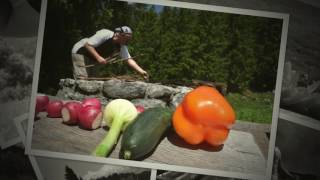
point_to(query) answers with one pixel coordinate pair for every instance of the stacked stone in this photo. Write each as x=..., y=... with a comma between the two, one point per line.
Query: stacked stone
x=138, y=92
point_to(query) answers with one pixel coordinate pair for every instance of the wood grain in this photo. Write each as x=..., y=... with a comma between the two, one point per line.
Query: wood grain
x=240, y=153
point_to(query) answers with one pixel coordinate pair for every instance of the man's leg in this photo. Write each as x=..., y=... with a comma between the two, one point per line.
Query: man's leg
x=79, y=69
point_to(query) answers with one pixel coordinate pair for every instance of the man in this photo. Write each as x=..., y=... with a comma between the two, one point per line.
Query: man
x=104, y=43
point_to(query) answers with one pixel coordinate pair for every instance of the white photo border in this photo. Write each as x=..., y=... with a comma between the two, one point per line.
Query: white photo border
x=35, y=79
x=275, y=115
x=153, y=174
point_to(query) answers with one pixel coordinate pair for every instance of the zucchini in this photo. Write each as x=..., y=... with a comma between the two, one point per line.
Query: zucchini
x=144, y=133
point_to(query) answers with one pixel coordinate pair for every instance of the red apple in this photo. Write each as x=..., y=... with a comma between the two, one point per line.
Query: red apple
x=140, y=108
x=54, y=109
x=70, y=111
x=90, y=117
x=91, y=102
x=41, y=103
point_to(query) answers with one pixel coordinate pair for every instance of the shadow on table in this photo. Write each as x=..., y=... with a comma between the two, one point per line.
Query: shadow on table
x=176, y=140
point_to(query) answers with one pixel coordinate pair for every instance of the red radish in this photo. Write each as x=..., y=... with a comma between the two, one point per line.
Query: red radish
x=90, y=117
x=70, y=111
x=54, y=109
x=140, y=108
x=91, y=102
x=41, y=103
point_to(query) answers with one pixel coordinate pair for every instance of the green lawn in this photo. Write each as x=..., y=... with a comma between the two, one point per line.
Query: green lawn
x=253, y=107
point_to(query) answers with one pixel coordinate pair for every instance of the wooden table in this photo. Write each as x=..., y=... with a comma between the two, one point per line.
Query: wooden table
x=240, y=153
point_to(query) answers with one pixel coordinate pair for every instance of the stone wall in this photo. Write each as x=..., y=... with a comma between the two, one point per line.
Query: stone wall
x=138, y=92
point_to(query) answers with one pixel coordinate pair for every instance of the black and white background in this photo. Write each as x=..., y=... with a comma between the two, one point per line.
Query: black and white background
x=297, y=154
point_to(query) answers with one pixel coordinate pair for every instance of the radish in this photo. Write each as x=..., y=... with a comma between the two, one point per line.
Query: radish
x=70, y=111
x=140, y=108
x=91, y=102
x=54, y=109
x=90, y=117
x=41, y=103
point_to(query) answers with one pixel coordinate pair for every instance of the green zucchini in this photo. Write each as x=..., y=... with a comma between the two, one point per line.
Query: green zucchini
x=144, y=133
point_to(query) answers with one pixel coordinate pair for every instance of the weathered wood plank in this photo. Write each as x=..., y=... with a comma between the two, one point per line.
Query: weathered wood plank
x=240, y=152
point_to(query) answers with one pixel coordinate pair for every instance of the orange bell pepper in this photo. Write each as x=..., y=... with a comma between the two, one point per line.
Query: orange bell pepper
x=204, y=115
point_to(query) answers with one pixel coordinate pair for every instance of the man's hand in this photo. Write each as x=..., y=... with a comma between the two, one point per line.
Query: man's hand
x=145, y=75
x=101, y=60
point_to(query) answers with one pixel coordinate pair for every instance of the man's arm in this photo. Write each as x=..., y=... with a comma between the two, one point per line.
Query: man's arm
x=95, y=54
x=132, y=63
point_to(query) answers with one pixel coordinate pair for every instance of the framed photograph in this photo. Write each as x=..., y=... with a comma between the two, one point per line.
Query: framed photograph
x=164, y=175
x=305, y=130
x=70, y=169
x=151, y=55
x=21, y=123
x=18, y=39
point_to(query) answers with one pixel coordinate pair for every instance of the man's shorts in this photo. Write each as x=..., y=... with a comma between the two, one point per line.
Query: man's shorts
x=80, y=62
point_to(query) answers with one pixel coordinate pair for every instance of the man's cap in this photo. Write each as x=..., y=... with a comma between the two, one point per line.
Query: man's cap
x=124, y=29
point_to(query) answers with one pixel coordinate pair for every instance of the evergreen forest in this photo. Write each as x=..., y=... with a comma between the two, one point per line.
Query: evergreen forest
x=173, y=45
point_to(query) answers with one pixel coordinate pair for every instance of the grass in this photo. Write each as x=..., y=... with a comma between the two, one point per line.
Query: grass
x=252, y=107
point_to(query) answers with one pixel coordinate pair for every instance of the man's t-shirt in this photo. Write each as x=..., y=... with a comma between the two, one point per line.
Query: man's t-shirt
x=101, y=37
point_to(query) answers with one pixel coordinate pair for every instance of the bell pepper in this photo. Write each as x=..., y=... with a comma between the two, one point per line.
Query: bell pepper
x=204, y=115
